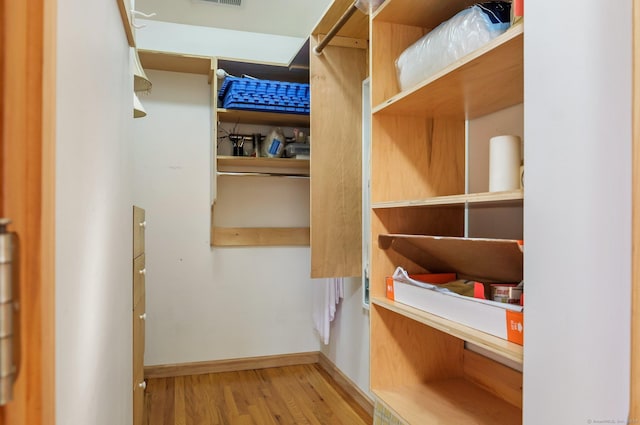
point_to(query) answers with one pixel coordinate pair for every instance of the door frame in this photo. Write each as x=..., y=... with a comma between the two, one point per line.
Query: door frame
x=27, y=112
x=27, y=195
x=634, y=402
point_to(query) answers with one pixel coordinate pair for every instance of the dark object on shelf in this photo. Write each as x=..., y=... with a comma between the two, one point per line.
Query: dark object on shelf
x=498, y=12
x=264, y=95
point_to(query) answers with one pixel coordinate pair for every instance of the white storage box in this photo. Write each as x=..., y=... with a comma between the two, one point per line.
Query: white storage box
x=485, y=260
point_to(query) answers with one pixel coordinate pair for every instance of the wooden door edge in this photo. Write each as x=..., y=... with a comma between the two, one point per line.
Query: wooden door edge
x=48, y=253
x=634, y=405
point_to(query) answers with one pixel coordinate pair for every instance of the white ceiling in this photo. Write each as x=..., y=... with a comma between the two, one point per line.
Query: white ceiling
x=295, y=18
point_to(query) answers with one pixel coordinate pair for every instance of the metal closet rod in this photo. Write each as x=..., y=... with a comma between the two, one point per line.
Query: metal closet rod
x=338, y=25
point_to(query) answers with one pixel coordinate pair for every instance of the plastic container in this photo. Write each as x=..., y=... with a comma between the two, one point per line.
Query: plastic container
x=506, y=293
x=264, y=95
x=296, y=150
x=273, y=145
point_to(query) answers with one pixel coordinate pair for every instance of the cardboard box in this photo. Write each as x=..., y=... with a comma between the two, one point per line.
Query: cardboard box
x=517, y=11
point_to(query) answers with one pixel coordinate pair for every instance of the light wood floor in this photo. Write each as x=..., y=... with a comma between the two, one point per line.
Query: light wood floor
x=303, y=394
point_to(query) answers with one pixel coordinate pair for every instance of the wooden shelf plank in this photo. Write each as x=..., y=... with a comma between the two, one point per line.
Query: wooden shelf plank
x=260, y=236
x=263, y=162
x=263, y=117
x=514, y=196
x=485, y=81
x=491, y=343
x=175, y=62
x=266, y=71
x=422, y=13
x=449, y=401
x=272, y=166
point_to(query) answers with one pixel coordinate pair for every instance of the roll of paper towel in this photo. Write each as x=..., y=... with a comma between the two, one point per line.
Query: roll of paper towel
x=504, y=163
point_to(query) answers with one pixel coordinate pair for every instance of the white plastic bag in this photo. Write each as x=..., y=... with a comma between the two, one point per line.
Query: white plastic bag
x=273, y=145
x=368, y=6
x=462, y=34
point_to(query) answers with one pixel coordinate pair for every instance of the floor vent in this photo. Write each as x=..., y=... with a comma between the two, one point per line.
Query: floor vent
x=229, y=2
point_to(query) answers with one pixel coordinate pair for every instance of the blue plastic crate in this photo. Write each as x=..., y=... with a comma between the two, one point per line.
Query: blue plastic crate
x=264, y=95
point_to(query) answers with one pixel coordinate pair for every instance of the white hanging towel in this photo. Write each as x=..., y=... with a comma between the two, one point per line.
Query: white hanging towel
x=326, y=296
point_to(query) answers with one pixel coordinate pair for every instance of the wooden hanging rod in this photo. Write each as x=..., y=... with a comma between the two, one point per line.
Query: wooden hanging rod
x=334, y=30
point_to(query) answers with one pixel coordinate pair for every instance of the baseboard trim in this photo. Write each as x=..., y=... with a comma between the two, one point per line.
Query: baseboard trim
x=231, y=365
x=346, y=384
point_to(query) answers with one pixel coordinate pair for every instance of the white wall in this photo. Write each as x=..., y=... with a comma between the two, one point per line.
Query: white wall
x=348, y=346
x=286, y=17
x=491, y=221
x=577, y=211
x=93, y=216
x=206, y=303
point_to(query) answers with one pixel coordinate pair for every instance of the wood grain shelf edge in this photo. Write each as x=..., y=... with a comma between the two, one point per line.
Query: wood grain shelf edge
x=260, y=236
x=491, y=343
x=452, y=74
x=440, y=401
x=262, y=162
x=471, y=198
x=126, y=23
x=263, y=117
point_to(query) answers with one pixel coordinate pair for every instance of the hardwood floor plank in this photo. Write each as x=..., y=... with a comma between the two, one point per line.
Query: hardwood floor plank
x=216, y=396
x=244, y=390
x=273, y=399
x=196, y=401
x=261, y=414
x=253, y=388
x=283, y=387
x=179, y=400
x=207, y=397
x=243, y=420
x=322, y=410
x=160, y=400
x=230, y=403
x=299, y=399
x=342, y=405
x=289, y=395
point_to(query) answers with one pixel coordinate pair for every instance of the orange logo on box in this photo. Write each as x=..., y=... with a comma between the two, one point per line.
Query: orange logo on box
x=390, y=295
x=515, y=327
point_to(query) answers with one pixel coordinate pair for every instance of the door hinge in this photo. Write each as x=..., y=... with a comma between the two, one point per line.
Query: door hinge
x=7, y=364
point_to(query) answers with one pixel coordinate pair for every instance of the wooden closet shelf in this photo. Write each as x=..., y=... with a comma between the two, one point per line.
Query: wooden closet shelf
x=176, y=62
x=260, y=236
x=491, y=343
x=485, y=81
x=451, y=401
x=508, y=197
x=419, y=13
x=263, y=117
x=270, y=166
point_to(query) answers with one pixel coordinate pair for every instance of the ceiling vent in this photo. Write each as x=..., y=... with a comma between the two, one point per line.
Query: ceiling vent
x=228, y=2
